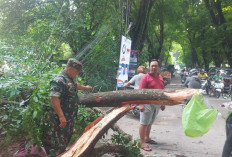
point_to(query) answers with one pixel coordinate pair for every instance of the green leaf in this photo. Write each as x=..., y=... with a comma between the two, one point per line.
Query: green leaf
x=35, y=99
x=12, y=93
x=34, y=114
x=4, y=132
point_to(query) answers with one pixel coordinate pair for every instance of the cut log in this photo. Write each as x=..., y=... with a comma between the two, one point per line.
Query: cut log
x=85, y=144
x=140, y=96
x=122, y=97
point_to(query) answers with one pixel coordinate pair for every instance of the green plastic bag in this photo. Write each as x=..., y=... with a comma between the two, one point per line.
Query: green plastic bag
x=197, y=118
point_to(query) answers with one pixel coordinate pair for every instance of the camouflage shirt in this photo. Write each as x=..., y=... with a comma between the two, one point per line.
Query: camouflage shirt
x=65, y=88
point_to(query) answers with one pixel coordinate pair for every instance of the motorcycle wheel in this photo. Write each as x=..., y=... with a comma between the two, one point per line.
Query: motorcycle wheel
x=218, y=94
x=136, y=112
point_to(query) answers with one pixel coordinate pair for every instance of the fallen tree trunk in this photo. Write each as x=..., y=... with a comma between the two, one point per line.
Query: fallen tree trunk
x=84, y=146
x=123, y=97
x=140, y=96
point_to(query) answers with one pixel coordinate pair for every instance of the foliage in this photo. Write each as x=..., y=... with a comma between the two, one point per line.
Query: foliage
x=33, y=120
x=100, y=67
x=84, y=118
x=35, y=117
x=10, y=122
x=15, y=119
x=132, y=147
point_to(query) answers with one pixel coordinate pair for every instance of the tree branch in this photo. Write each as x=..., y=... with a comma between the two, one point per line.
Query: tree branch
x=115, y=127
x=4, y=102
x=107, y=148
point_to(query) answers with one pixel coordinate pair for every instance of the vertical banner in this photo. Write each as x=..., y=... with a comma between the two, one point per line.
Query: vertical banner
x=124, y=60
x=133, y=63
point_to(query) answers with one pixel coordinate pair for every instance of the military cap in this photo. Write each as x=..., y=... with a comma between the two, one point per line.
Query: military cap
x=72, y=62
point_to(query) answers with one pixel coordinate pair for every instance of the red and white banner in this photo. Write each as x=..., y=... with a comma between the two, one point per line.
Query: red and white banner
x=124, y=60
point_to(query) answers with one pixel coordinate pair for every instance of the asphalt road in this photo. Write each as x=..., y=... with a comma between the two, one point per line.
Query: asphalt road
x=167, y=131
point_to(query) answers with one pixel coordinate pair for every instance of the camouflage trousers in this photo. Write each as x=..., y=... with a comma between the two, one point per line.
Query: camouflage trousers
x=59, y=138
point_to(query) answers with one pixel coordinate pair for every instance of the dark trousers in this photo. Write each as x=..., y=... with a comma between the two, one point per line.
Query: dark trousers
x=228, y=143
x=58, y=140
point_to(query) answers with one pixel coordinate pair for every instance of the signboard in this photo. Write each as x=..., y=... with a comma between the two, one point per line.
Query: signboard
x=124, y=60
x=133, y=63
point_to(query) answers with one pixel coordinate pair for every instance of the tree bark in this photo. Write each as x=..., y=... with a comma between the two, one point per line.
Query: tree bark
x=139, y=30
x=211, y=12
x=140, y=96
x=123, y=97
x=191, y=37
x=204, y=53
x=84, y=146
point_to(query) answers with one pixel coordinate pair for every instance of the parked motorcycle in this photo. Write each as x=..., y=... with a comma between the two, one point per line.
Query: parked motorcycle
x=217, y=88
x=203, y=83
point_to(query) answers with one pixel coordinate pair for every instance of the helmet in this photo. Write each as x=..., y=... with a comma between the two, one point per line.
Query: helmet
x=141, y=69
x=193, y=72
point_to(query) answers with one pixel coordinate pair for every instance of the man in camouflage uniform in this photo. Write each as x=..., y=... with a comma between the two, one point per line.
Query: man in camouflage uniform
x=64, y=100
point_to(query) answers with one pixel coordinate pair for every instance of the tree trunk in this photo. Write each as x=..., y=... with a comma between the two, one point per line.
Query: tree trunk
x=84, y=146
x=123, y=97
x=156, y=36
x=204, y=53
x=191, y=37
x=216, y=58
x=138, y=32
x=161, y=37
x=218, y=6
x=211, y=12
x=140, y=96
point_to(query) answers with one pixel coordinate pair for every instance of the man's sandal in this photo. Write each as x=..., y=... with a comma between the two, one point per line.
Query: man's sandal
x=151, y=142
x=146, y=148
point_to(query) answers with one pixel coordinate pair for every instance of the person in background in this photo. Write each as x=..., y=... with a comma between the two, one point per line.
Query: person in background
x=148, y=112
x=202, y=74
x=217, y=79
x=64, y=100
x=186, y=73
x=193, y=81
x=136, y=79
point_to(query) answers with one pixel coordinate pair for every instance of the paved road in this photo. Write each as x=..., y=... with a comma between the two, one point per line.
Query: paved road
x=167, y=131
